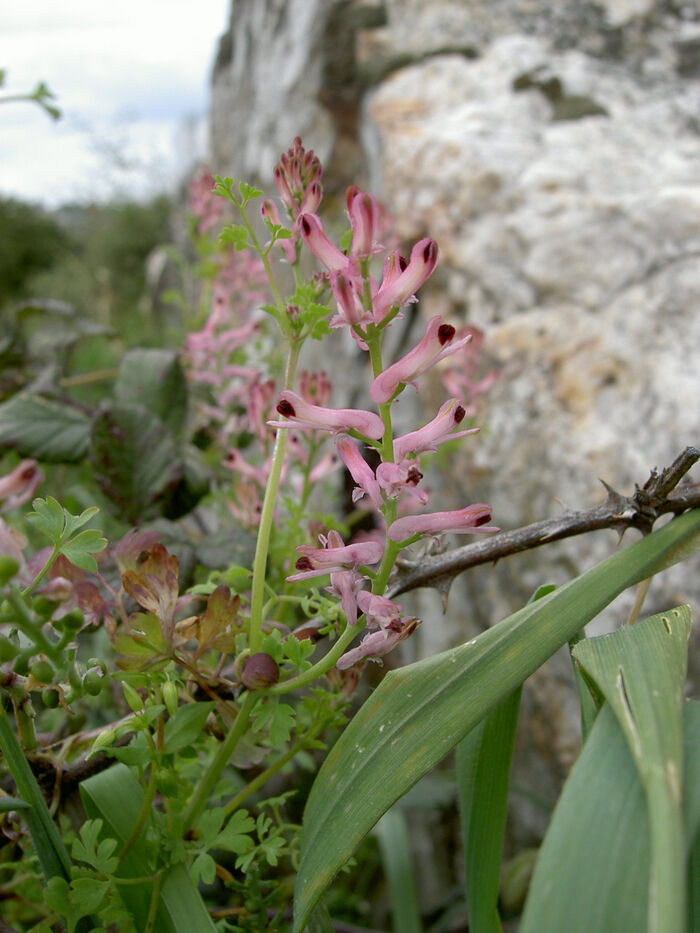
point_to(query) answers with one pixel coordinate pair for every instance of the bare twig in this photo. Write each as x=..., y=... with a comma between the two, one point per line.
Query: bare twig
x=657, y=497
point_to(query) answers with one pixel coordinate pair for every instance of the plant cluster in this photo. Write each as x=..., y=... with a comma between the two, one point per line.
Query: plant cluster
x=166, y=695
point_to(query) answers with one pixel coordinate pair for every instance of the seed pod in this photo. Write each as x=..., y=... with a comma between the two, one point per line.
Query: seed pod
x=8, y=651
x=42, y=671
x=260, y=671
x=170, y=696
x=50, y=698
x=93, y=681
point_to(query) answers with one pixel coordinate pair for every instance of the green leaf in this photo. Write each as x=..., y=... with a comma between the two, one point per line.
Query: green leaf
x=12, y=803
x=641, y=671
x=185, y=726
x=79, y=550
x=49, y=517
x=483, y=775
x=135, y=459
x=236, y=235
x=418, y=713
x=397, y=860
x=247, y=192
x=89, y=849
x=44, y=429
x=154, y=379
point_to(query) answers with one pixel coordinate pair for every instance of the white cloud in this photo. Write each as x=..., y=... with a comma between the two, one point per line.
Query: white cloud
x=128, y=77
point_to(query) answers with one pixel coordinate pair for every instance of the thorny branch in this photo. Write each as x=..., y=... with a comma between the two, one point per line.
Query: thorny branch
x=658, y=496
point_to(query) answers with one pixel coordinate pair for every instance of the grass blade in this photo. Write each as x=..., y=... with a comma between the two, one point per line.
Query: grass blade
x=395, y=846
x=641, y=671
x=483, y=776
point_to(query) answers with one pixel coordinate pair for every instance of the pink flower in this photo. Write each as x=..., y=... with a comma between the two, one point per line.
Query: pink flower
x=345, y=584
x=473, y=518
x=395, y=478
x=334, y=555
x=350, y=308
x=268, y=211
x=377, y=644
x=203, y=203
x=363, y=212
x=301, y=413
x=400, y=283
x=18, y=486
x=435, y=345
x=435, y=432
x=315, y=387
x=360, y=471
x=311, y=230
x=380, y=611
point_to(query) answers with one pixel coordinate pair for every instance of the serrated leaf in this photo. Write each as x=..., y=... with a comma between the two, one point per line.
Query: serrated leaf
x=236, y=235
x=44, y=429
x=203, y=868
x=155, y=379
x=247, y=192
x=418, y=713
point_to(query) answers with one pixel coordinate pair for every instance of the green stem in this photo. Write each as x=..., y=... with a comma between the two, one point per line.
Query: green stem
x=144, y=813
x=320, y=668
x=213, y=774
x=153, y=906
x=257, y=593
x=23, y=621
x=265, y=775
x=44, y=570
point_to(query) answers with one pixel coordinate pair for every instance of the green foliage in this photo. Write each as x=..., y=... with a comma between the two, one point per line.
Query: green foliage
x=32, y=241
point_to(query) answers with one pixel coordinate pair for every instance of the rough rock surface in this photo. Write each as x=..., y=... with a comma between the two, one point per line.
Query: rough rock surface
x=553, y=150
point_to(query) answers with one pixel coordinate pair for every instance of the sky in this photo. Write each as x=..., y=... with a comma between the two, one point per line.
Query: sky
x=131, y=79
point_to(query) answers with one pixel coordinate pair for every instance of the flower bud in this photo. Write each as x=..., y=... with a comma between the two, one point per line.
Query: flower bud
x=170, y=696
x=132, y=697
x=260, y=671
x=9, y=566
x=50, y=698
x=8, y=650
x=42, y=671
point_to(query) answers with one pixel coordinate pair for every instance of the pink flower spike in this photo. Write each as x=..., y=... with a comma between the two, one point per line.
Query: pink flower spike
x=311, y=230
x=471, y=519
x=360, y=471
x=377, y=644
x=363, y=211
x=435, y=345
x=435, y=432
x=399, y=289
x=293, y=406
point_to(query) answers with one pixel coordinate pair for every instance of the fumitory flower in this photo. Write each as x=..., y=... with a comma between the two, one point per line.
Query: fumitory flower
x=360, y=471
x=377, y=644
x=335, y=555
x=437, y=343
x=301, y=413
x=473, y=518
x=18, y=486
x=401, y=280
x=435, y=432
x=395, y=478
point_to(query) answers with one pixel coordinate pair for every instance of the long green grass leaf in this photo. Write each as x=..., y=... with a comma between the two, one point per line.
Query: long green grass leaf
x=483, y=775
x=395, y=847
x=420, y=712
x=641, y=672
x=48, y=844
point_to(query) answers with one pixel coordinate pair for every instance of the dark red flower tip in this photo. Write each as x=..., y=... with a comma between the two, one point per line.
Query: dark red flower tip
x=260, y=671
x=403, y=263
x=286, y=408
x=414, y=476
x=429, y=251
x=305, y=225
x=445, y=333
x=460, y=412
x=483, y=520
x=304, y=563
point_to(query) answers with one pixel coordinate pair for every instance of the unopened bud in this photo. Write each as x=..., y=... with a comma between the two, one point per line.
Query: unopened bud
x=260, y=671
